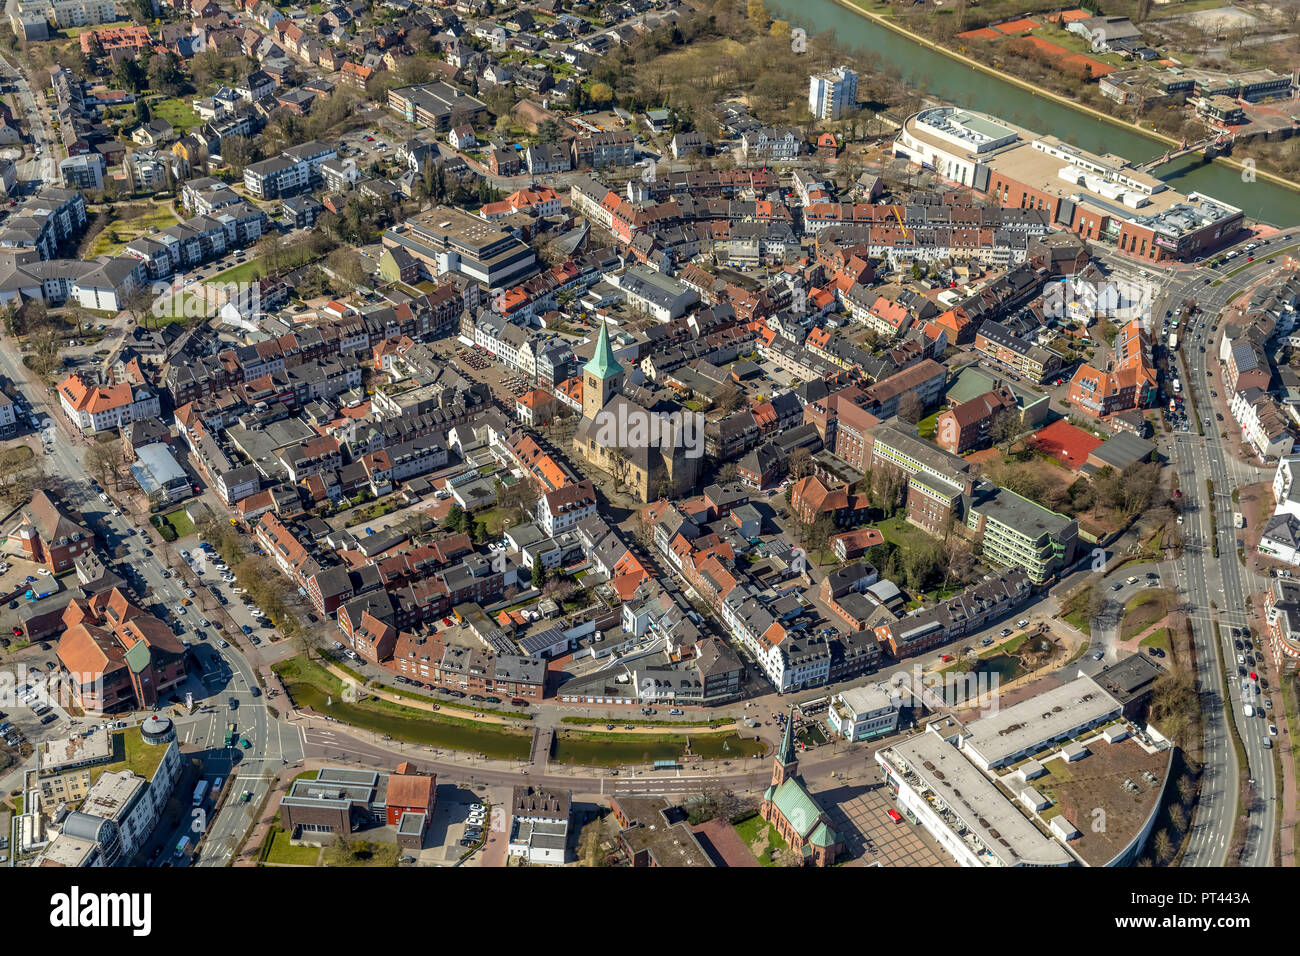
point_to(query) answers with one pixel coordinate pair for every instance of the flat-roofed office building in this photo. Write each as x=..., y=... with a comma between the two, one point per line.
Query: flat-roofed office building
x=448, y=240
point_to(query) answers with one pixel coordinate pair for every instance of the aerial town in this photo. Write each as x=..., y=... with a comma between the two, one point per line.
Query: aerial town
x=644, y=433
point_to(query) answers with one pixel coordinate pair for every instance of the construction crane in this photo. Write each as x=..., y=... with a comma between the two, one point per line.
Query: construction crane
x=899, y=217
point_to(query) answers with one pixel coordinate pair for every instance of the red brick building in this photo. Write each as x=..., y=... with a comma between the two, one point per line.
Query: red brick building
x=49, y=535
x=115, y=657
x=966, y=426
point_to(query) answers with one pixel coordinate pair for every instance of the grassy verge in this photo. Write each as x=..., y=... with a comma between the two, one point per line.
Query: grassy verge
x=312, y=686
x=593, y=721
x=761, y=838
x=454, y=704
x=1141, y=612
x=245, y=273
x=1209, y=487
x=1158, y=639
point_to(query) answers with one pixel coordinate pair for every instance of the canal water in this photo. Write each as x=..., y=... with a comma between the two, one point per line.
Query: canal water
x=950, y=81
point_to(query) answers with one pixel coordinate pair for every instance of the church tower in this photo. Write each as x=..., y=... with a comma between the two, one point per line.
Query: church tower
x=602, y=377
x=786, y=764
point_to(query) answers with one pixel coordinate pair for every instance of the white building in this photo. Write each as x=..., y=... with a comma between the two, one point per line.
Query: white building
x=1279, y=538
x=654, y=293
x=8, y=416
x=562, y=509
x=1024, y=729
x=831, y=93
x=961, y=808
x=1262, y=423
x=539, y=828
x=1286, y=492
x=120, y=810
x=862, y=713
x=69, y=13
x=95, y=408
x=275, y=177
x=953, y=142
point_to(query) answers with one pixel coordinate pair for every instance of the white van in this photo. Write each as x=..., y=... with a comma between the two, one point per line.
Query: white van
x=1250, y=711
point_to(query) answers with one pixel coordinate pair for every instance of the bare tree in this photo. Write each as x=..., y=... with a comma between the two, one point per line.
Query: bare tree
x=910, y=408
x=799, y=463
x=1004, y=429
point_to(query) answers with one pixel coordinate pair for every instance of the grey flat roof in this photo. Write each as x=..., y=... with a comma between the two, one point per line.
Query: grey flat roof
x=1009, y=836
x=1123, y=450
x=1027, y=517
x=1034, y=722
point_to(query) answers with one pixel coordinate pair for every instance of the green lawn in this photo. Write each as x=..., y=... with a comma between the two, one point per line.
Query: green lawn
x=130, y=752
x=312, y=686
x=1141, y=612
x=903, y=534
x=364, y=853
x=926, y=427
x=492, y=518
x=245, y=273
x=148, y=219
x=761, y=838
x=73, y=33
x=177, y=112
x=1159, y=638
x=282, y=851
x=180, y=522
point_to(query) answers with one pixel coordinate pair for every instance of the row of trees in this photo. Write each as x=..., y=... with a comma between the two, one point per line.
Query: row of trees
x=1125, y=494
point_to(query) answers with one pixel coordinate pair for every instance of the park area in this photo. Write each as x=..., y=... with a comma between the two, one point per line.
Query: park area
x=129, y=222
x=1143, y=611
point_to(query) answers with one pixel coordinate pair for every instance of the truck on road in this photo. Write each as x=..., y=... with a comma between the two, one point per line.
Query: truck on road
x=200, y=791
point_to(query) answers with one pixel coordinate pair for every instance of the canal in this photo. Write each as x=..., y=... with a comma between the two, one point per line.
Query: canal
x=953, y=82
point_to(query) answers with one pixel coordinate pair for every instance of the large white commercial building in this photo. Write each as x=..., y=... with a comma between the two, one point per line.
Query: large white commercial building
x=962, y=808
x=121, y=808
x=954, y=142
x=1022, y=730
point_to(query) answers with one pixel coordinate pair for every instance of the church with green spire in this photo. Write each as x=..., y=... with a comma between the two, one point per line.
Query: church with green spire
x=638, y=445
x=795, y=813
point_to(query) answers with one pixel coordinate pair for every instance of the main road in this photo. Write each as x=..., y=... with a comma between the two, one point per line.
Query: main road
x=224, y=687
x=1215, y=590
x=41, y=169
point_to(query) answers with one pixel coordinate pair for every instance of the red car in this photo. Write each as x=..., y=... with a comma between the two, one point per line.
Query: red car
x=893, y=815
x=1177, y=493
x=1253, y=675
x=946, y=658
x=446, y=622
x=18, y=632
